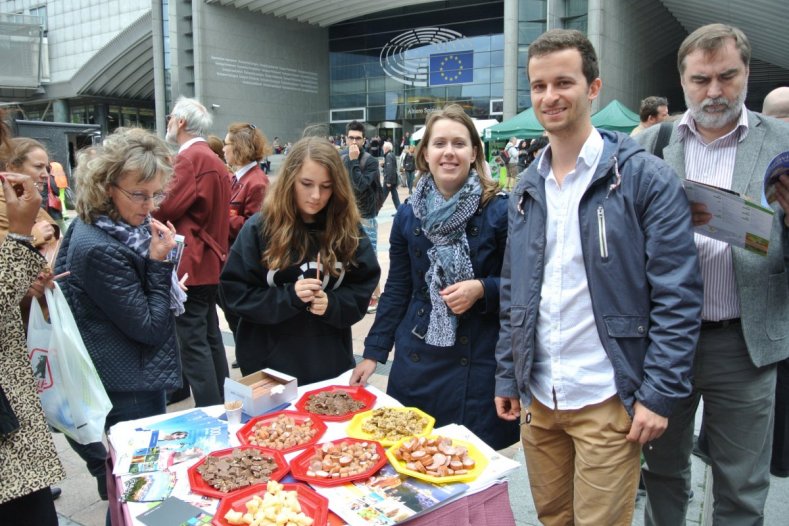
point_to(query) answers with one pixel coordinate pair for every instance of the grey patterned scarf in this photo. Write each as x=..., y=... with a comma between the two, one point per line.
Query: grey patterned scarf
x=444, y=224
x=139, y=239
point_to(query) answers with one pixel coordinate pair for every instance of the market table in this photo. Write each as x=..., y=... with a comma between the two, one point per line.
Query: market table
x=484, y=504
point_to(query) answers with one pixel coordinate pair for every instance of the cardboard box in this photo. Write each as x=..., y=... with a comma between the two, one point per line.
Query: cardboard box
x=255, y=391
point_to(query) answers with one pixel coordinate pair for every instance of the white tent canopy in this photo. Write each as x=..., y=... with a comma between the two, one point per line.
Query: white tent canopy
x=479, y=124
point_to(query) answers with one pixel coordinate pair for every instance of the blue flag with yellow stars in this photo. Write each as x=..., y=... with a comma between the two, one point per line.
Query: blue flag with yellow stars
x=452, y=68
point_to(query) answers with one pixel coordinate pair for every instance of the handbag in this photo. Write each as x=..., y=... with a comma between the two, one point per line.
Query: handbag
x=53, y=200
x=70, y=390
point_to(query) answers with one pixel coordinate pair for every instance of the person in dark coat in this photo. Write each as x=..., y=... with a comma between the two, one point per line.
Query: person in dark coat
x=301, y=272
x=440, y=307
x=390, y=174
x=122, y=290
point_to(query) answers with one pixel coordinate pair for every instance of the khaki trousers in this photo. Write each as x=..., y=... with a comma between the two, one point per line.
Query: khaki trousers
x=582, y=470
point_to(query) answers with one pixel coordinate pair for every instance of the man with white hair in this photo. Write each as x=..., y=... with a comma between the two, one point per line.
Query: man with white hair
x=197, y=204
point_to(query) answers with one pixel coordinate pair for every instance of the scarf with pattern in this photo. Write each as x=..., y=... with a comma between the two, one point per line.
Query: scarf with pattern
x=138, y=238
x=444, y=224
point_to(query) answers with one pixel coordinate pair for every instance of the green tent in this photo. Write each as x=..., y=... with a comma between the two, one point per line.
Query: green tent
x=523, y=126
x=615, y=117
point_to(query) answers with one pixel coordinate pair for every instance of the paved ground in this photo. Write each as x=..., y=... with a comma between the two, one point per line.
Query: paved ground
x=80, y=505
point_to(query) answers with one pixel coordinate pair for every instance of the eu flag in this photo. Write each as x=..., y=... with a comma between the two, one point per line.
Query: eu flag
x=452, y=68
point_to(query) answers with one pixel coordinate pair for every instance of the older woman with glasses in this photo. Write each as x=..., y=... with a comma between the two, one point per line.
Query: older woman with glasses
x=122, y=288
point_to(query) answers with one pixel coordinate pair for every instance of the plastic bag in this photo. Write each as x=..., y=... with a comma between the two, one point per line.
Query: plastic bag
x=71, y=392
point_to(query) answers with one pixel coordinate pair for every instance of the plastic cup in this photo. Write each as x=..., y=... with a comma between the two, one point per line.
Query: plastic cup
x=233, y=411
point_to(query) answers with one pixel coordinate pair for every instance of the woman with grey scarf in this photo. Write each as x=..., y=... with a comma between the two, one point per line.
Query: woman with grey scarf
x=440, y=305
x=122, y=288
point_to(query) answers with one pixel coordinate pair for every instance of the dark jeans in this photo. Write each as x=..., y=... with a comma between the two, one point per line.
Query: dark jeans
x=202, y=350
x=395, y=197
x=34, y=508
x=409, y=179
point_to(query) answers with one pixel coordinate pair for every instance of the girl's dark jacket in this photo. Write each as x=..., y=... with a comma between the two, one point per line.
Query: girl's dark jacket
x=276, y=330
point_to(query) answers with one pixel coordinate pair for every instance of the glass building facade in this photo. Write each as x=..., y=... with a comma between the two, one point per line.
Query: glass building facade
x=392, y=68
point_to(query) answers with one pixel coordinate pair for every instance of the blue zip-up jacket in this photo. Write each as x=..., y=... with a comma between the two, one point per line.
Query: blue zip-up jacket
x=641, y=266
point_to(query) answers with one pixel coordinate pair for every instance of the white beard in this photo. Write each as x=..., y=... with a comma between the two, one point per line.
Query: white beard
x=719, y=119
x=170, y=137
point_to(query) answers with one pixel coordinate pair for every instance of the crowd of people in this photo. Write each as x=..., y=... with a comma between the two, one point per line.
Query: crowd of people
x=577, y=311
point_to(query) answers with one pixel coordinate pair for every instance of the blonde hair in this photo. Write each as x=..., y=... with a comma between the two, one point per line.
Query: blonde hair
x=287, y=236
x=454, y=112
x=127, y=150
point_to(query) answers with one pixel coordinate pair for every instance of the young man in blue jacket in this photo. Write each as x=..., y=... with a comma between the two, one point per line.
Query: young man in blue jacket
x=600, y=298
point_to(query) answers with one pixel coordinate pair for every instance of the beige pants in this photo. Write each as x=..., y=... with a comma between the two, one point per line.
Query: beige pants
x=582, y=470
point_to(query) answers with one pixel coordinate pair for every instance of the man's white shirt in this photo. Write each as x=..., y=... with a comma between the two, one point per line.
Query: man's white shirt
x=569, y=362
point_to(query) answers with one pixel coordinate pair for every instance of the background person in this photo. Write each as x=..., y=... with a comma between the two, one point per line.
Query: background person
x=524, y=159
x=29, y=157
x=198, y=204
x=362, y=168
x=776, y=104
x=301, y=272
x=244, y=147
x=440, y=307
x=390, y=174
x=409, y=166
x=745, y=317
x=512, y=164
x=653, y=110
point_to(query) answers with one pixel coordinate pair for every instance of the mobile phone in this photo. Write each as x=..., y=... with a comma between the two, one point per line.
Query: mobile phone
x=177, y=250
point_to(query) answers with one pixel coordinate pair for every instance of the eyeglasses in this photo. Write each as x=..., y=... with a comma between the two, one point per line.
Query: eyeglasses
x=355, y=138
x=141, y=198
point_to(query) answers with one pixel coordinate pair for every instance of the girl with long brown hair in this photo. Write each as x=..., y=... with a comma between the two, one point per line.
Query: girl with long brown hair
x=301, y=272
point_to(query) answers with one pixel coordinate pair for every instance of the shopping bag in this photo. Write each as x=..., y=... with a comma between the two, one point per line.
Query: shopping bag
x=71, y=392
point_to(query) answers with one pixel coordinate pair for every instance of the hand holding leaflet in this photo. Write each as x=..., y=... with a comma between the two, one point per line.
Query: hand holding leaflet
x=734, y=219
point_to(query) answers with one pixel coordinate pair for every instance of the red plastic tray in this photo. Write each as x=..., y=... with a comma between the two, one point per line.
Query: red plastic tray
x=313, y=505
x=356, y=392
x=200, y=486
x=300, y=464
x=317, y=423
